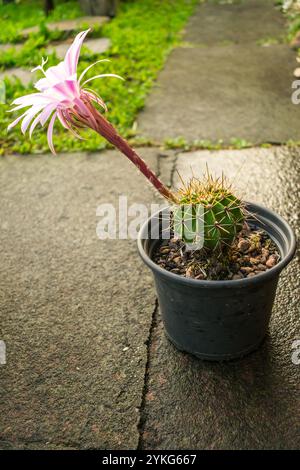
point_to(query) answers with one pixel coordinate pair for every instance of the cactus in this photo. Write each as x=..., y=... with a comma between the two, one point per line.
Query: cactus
x=222, y=212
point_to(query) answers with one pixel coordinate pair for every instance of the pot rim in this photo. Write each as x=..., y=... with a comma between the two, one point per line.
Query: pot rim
x=233, y=283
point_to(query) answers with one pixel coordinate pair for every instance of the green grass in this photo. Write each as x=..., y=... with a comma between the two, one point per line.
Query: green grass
x=182, y=144
x=27, y=13
x=142, y=35
x=294, y=26
x=293, y=21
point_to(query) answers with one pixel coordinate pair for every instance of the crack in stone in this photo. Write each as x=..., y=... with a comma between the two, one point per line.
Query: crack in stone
x=143, y=416
x=173, y=169
x=154, y=321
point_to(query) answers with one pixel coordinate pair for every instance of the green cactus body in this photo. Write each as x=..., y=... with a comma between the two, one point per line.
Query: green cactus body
x=222, y=214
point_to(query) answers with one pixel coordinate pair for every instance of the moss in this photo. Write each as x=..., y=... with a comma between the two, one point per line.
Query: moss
x=142, y=35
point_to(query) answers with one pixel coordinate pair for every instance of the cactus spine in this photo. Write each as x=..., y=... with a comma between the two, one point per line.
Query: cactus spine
x=222, y=212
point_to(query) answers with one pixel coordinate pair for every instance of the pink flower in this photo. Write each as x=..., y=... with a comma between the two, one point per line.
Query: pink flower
x=61, y=96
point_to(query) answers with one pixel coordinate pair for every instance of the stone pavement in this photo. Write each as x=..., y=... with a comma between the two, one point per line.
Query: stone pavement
x=224, y=82
x=96, y=46
x=252, y=403
x=19, y=73
x=70, y=25
x=88, y=365
x=75, y=311
x=86, y=354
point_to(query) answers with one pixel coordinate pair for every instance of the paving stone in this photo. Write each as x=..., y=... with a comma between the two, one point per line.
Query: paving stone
x=224, y=93
x=70, y=25
x=24, y=75
x=71, y=305
x=237, y=89
x=97, y=46
x=75, y=310
x=8, y=46
x=254, y=402
x=241, y=22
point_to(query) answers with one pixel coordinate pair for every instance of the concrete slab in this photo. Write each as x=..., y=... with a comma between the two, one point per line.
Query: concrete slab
x=24, y=75
x=8, y=46
x=238, y=21
x=96, y=46
x=75, y=310
x=70, y=25
x=225, y=92
x=252, y=403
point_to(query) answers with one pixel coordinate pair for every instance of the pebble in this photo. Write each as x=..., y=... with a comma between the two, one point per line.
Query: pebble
x=251, y=255
x=246, y=269
x=297, y=72
x=164, y=249
x=271, y=261
x=189, y=272
x=175, y=270
x=264, y=255
x=243, y=245
x=200, y=276
x=261, y=267
x=254, y=260
x=237, y=276
x=219, y=268
x=252, y=248
x=251, y=275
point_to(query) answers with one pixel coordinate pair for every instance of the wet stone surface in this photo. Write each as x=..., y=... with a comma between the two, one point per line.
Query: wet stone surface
x=76, y=313
x=75, y=310
x=237, y=21
x=223, y=84
x=251, y=403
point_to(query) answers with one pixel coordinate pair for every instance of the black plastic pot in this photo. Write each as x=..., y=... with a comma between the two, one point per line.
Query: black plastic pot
x=219, y=320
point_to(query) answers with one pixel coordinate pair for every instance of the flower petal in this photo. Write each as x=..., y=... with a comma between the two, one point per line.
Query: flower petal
x=72, y=55
x=56, y=74
x=62, y=119
x=34, y=124
x=89, y=67
x=29, y=116
x=42, y=84
x=102, y=76
x=50, y=133
x=30, y=99
x=44, y=116
x=94, y=97
x=86, y=113
x=15, y=122
x=65, y=91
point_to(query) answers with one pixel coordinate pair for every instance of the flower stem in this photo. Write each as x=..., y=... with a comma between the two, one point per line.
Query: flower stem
x=107, y=131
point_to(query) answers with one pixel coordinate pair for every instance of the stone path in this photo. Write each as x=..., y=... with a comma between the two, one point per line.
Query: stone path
x=223, y=83
x=75, y=311
x=96, y=46
x=70, y=25
x=252, y=403
x=24, y=75
x=88, y=365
